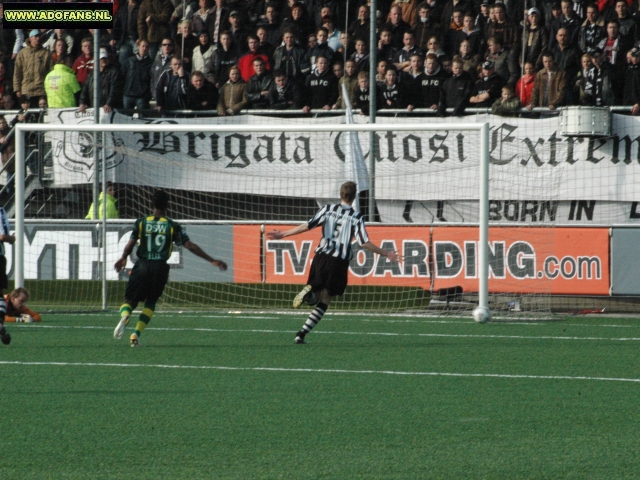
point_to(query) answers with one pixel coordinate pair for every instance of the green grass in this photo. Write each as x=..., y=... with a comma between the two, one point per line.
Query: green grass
x=78, y=404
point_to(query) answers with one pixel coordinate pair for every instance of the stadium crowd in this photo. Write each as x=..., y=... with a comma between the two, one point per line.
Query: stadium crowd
x=231, y=55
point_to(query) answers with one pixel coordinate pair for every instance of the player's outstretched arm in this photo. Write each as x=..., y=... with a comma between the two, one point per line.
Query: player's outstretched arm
x=196, y=250
x=8, y=239
x=128, y=249
x=390, y=254
x=277, y=234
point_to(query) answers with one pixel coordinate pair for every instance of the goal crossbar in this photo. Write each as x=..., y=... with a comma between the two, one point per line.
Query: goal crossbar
x=482, y=128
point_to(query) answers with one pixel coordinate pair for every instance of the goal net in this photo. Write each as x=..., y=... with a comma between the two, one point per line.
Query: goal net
x=232, y=180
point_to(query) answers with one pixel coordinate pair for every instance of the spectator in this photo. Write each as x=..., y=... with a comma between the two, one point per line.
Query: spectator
x=631, y=91
x=265, y=47
x=409, y=78
x=322, y=87
x=6, y=82
x=456, y=90
x=136, y=71
x=505, y=61
x=290, y=58
x=393, y=94
x=567, y=59
x=259, y=84
x=186, y=42
x=446, y=17
x=386, y=51
x=61, y=85
x=470, y=33
x=338, y=70
x=599, y=88
x=425, y=27
x=320, y=48
x=23, y=115
x=451, y=32
x=361, y=56
x=222, y=59
x=201, y=58
x=627, y=25
x=271, y=25
x=201, y=17
x=59, y=49
x=245, y=64
x=7, y=150
x=362, y=94
x=446, y=63
x=83, y=65
x=232, y=96
x=153, y=23
x=32, y=65
x=161, y=62
x=59, y=34
x=111, y=86
x=549, y=86
x=125, y=30
x=109, y=199
x=171, y=91
x=536, y=38
x=507, y=105
x=350, y=81
x=471, y=62
x=592, y=31
x=488, y=88
x=359, y=28
x=582, y=76
x=218, y=21
x=408, y=10
x=525, y=84
x=504, y=30
x=201, y=93
x=8, y=101
x=396, y=26
x=402, y=60
x=11, y=41
x=346, y=46
x=42, y=103
x=614, y=45
x=284, y=94
x=433, y=45
x=381, y=69
x=333, y=34
x=239, y=33
x=297, y=23
x=569, y=21
x=429, y=83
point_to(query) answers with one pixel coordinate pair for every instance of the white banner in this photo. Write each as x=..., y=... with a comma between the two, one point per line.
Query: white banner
x=530, y=159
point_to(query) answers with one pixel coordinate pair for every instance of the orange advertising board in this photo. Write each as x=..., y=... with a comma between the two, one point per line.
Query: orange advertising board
x=288, y=260
x=568, y=261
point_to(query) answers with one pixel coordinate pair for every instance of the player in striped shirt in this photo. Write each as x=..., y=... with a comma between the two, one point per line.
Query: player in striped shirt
x=155, y=236
x=329, y=268
x=5, y=236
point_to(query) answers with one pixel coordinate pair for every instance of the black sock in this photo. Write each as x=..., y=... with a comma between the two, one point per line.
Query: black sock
x=314, y=317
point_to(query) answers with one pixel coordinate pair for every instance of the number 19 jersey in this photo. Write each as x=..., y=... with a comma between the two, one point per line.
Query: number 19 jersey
x=156, y=236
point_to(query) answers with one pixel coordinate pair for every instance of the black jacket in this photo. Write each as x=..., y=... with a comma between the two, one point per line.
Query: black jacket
x=293, y=63
x=287, y=98
x=204, y=99
x=137, y=76
x=455, y=94
x=111, y=87
x=491, y=85
x=171, y=91
x=258, y=84
x=397, y=94
x=429, y=88
x=323, y=89
x=361, y=101
x=122, y=20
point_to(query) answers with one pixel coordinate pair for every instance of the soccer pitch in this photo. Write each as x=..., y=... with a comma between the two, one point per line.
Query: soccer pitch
x=407, y=397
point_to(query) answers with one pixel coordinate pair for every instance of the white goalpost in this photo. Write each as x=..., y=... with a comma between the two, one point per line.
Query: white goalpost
x=258, y=172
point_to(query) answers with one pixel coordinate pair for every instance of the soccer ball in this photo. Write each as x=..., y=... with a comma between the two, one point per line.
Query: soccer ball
x=481, y=314
x=26, y=318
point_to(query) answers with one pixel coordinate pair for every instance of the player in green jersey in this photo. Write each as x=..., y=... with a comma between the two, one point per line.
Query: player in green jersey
x=155, y=236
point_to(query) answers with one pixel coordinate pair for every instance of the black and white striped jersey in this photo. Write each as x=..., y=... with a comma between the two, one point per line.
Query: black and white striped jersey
x=4, y=227
x=340, y=223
